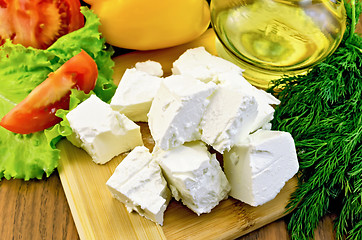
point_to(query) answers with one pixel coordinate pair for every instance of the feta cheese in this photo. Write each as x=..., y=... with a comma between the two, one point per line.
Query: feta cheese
x=194, y=176
x=135, y=94
x=200, y=64
x=102, y=132
x=258, y=169
x=228, y=118
x=151, y=67
x=265, y=112
x=176, y=110
x=139, y=184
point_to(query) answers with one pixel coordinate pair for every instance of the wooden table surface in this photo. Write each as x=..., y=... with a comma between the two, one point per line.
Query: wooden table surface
x=38, y=210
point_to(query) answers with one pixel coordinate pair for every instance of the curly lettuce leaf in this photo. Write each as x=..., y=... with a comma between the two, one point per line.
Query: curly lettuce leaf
x=26, y=156
x=21, y=70
x=89, y=39
x=23, y=156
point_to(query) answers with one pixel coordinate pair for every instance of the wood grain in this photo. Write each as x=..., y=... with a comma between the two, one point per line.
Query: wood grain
x=36, y=209
x=18, y=203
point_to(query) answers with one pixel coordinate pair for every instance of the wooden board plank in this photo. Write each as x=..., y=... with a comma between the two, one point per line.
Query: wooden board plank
x=99, y=216
x=96, y=214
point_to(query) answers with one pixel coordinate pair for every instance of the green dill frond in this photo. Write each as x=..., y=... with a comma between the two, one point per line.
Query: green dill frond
x=356, y=233
x=350, y=217
x=310, y=210
x=323, y=112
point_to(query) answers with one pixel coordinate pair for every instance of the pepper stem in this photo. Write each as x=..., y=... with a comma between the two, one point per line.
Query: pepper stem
x=353, y=23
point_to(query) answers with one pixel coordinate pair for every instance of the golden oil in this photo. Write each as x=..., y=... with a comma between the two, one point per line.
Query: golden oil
x=270, y=38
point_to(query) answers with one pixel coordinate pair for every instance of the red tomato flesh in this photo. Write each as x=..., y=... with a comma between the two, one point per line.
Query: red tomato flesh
x=37, y=111
x=38, y=23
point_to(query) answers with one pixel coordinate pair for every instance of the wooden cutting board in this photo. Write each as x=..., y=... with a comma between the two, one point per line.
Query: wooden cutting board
x=99, y=216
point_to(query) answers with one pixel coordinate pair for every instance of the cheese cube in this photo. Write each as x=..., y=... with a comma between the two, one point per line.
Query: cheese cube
x=139, y=184
x=258, y=169
x=200, y=64
x=194, y=176
x=265, y=112
x=151, y=67
x=135, y=94
x=177, y=109
x=102, y=132
x=228, y=118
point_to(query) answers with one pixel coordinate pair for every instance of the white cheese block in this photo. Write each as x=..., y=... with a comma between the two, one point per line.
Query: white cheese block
x=258, y=169
x=177, y=109
x=135, y=94
x=102, y=132
x=265, y=112
x=139, y=184
x=229, y=118
x=151, y=67
x=194, y=176
x=200, y=64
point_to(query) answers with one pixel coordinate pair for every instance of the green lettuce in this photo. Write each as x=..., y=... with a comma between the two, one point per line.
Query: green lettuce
x=21, y=70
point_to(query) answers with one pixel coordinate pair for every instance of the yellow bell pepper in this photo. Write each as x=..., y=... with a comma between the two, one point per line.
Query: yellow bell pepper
x=151, y=24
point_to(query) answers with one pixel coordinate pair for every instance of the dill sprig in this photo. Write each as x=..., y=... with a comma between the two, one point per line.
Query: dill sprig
x=323, y=112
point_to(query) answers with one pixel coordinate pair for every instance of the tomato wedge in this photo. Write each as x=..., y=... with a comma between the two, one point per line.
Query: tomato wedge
x=37, y=111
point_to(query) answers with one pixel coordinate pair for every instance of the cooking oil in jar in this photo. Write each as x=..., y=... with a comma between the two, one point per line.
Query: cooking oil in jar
x=271, y=38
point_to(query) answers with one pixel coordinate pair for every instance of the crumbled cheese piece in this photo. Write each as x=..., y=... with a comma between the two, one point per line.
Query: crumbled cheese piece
x=177, y=109
x=139, y=184
x=151, y=67
x=258, y=169
x=265, y=100
x=229, y=118
x=194, y=176
x=97, y=127
x=200, y=64
x=135, y=94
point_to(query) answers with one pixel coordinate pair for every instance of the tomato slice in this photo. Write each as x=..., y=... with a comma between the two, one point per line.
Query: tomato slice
x=38, y=23
x=37, y=111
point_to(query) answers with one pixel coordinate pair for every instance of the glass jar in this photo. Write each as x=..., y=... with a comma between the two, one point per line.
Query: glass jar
x=272, y=38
